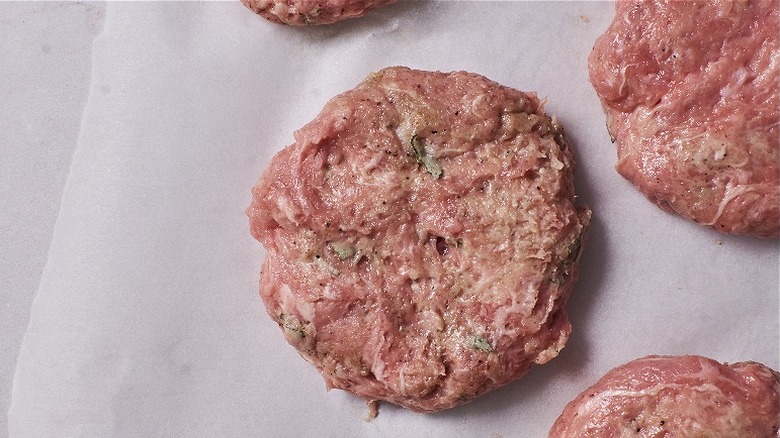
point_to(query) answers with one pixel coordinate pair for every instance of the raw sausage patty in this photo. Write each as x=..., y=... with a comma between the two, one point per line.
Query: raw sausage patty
x=422, y=237
x=683, y=396
x=690, y=89
x=305, y=12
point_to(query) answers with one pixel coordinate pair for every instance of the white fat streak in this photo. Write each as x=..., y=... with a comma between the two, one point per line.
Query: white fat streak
x=290, y=304
x=623, y=77
x=371, y=165
x=731, y=193
x=483, y=283
x=682, y=140
x=378, y=364
x=286, y=298
x=475, y=105
x=375, y=179
x=330, y=293
x=283, y=204
x=770, y=73
x=740, y=76
x=706, y=372
x=720, y=153
x=594, y=402
x=449, y=151
x=324, y=265
x=402, y=379
x=517, y=307
x=556, y=163
x=432, y=320
x=384, y=180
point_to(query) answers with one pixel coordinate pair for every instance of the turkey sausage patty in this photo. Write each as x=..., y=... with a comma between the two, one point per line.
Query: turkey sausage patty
x=309, y=12
x=422, y=237
x=690, y=89
x=684, y=396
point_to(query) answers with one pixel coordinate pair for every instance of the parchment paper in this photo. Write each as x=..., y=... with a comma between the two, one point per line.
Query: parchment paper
x=147, y=321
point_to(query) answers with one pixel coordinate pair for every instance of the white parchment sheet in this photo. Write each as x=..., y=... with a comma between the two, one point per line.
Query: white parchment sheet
x=147, y=322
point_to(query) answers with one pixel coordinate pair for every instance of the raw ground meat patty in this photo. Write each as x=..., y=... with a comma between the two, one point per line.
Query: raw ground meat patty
x=422, y=238
x=676, y=396
x=690, y=89
x=305, y=12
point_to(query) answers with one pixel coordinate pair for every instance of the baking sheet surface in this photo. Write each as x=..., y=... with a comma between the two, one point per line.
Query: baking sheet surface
x=147, y=321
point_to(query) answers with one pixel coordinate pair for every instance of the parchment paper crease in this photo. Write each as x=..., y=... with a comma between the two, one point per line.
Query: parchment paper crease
x=147, y=321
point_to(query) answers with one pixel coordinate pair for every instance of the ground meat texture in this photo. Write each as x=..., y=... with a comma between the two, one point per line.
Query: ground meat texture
x=309, y=12
x=676, y=396
x=690, y=89
x=422, y=238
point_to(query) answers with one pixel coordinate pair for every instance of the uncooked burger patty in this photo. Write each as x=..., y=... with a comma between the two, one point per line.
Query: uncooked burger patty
x=305, y=12
x=422, y=238
x=682, y=396
x=690, y=89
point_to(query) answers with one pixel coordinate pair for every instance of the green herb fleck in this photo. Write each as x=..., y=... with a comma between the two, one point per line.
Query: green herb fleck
x=342, y=251
x=560, y=273
x=480, y=343
x=574, y=248
x=426, y=160
x=557, y=276
x=292, y=326
x=458, y=243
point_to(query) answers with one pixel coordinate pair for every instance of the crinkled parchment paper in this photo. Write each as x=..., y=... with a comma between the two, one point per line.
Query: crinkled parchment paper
x=147, y=322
